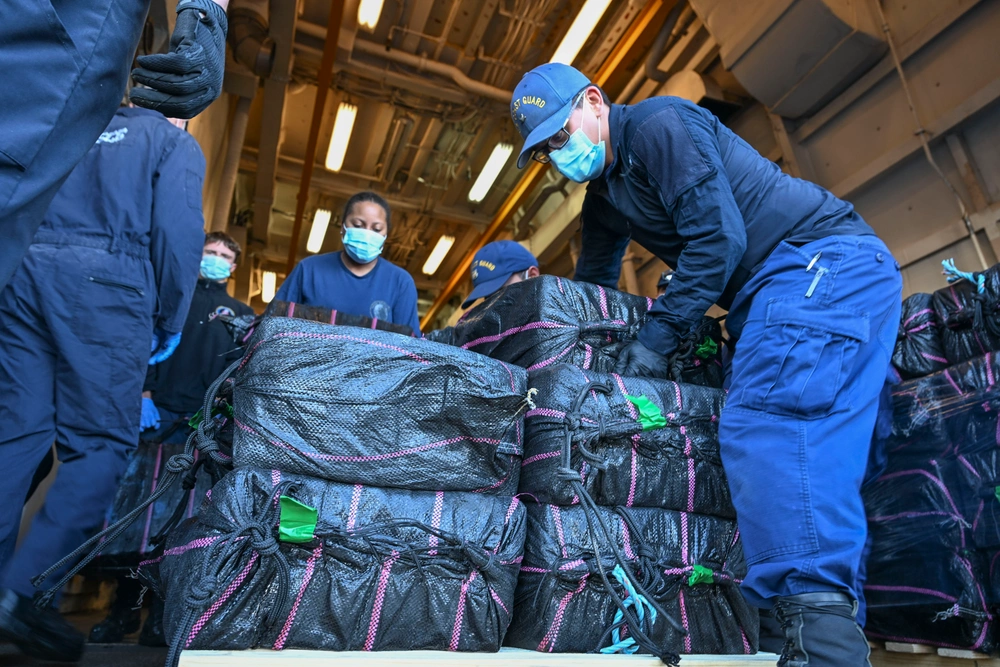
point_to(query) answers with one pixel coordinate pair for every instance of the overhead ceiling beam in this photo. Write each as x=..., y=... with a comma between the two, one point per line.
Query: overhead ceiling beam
x=533, y=174
x=322, y=88
x=281, y=27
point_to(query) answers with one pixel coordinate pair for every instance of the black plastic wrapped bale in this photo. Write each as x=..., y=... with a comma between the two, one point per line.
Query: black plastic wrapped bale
x=546, y=320
x=285, y=561
x=919, y=350
x=934, y=513
x=633, y=441
x=369, y=407
x=970, y=319
x=692, y=564
x=946, y=414
x=146, y=468
x=242, y=327
x=926, y=578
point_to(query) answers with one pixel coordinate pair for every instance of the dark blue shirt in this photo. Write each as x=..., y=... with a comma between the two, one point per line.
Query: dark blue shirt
x=387, y=292
x=140, y=187
x=701, y=199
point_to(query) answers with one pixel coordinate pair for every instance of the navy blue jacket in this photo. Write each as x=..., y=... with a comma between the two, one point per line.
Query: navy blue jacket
x=140, y=187
x=387, y=292
x=697, y=196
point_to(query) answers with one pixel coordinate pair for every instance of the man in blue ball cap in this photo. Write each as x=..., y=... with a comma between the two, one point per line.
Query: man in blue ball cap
x=813, y=299
x=497, y=265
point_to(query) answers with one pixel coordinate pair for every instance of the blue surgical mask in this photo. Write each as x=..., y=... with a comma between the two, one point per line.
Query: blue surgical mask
x=214, y=267
x=362, y=245
x=580, y=160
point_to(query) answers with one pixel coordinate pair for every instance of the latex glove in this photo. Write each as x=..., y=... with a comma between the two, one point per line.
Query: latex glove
x=150, y=415
x=183, y=82
x=164, y=345
x=637, y=360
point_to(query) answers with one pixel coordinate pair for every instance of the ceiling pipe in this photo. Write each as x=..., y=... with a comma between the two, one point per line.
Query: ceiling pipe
x=224, y=198
x=394, y=157
x=426, y=65
x=664, y=39
x=534, y=173
x=322, y=88
x=248, y=36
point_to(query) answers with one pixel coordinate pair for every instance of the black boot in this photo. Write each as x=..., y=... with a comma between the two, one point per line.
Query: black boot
x=121, y=620
x=152, y=629
x=821, y=631
x=40, y=633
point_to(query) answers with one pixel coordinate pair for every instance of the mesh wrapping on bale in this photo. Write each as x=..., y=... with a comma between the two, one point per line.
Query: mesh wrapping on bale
x=145, y=468
x=383, y=569
x=692, y=564
x=919, y=350
x=659, y=449
x=934, y=513
x=546, y=320
x=970, y=319
x=360, y=406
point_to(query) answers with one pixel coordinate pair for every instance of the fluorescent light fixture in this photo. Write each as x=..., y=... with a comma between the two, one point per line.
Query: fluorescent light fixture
x=578, y=33
x=498, y=158
x=368, y=13
x=267, y=286
x=321, y=220
x=437, y=255
x=342, y=126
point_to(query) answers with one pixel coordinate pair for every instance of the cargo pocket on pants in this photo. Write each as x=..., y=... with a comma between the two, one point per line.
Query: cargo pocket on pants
x=801, y=365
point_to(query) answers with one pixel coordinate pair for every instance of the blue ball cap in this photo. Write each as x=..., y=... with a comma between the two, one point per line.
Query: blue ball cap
x=542, y=103
x=494, y=264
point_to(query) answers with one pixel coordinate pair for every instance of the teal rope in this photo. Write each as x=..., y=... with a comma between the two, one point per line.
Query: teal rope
x=954, y=275
x=641, y=604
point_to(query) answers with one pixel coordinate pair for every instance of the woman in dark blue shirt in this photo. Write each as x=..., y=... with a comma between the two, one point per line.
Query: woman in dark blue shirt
x=356, y=280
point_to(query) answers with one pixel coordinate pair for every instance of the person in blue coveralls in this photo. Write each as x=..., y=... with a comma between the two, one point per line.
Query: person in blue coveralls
x=813, y=299
x=356, y=280
x=108, y=277
x=497, y=265
x=65, y=68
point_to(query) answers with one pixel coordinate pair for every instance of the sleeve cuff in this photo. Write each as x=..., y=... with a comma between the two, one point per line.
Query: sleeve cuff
x=658, y=337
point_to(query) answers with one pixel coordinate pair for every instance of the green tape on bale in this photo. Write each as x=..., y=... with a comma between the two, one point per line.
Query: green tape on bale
x=701, y=575
x=996, y=492
x=707, y=349
x=297, y=523
x=649, y=415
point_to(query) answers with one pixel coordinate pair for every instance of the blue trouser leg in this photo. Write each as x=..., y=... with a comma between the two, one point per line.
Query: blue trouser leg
x=27, y=406
x=815, y=332
x=100, y=337
x=65, y=64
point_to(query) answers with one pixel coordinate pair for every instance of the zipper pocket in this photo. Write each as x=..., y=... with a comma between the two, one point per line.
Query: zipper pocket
x=112, y=283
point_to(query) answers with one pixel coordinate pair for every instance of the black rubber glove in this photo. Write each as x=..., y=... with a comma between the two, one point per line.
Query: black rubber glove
x=637, y=360
x=183, y=82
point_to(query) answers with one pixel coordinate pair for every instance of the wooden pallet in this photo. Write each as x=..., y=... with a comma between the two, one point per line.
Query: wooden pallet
x=507, y=657
x=889, y=655
x=896, y=654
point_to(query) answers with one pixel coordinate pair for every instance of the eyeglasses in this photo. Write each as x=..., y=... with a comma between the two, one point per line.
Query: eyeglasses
x=557, y=140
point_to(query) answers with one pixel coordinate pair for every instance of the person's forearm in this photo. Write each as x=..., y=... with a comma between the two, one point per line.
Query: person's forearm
x=147, y=394
x=222, y=3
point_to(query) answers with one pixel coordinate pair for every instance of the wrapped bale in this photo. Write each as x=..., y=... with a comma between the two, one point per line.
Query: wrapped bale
x=934, y=517
x=369, y=407
x=969, y=313
x=918, y=350
x=284, y=561
x=632, y=441
x=691, y=564
x=146, y=466
x=546, y=320
x=242, y=327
